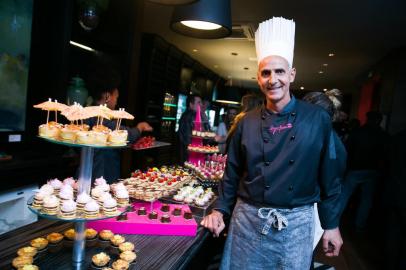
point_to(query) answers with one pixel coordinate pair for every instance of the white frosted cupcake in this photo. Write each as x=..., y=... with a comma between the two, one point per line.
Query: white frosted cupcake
x=69, y=181
x=56, y=184
x=82, y=199
x=50, y=205
x=38, y=200
x=65, y=195
x=47, y=189
x=118, y=137
x=68, y=210
x=110, y=207
x=103, y=197
x=91, y=209
x=96, y=192
x=122, y=197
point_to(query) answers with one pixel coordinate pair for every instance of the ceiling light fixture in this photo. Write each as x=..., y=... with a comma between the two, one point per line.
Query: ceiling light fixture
x=325, y=65
x=81, y=46
x=195, y=50
x=173, y=2
x=208, y=19
x=301, y=87
x=321, y=72
x=331, y=54
x=325, y=89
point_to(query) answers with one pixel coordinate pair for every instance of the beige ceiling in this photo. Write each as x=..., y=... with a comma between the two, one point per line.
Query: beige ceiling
x=358, y=32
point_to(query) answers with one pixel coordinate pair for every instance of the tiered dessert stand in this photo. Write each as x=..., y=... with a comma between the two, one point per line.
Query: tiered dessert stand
x=84, y=185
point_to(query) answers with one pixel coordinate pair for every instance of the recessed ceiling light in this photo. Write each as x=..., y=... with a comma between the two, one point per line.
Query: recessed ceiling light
x=301, y=87
x=325, y=89
x=234, y=53
x=195, y=50
x=321, y=72
x=331, y=54
x=246, y=68
x=325, y=65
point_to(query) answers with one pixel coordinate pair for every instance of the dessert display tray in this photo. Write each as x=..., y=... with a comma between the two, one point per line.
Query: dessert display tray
x=203, y=152
x=80, y=145
x=203, y=137
x=142, y=224
x=155, y=145
x=77, y=219
x=197, y=210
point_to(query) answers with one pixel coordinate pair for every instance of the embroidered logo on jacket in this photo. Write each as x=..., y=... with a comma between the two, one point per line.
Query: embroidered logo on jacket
x=279, y=128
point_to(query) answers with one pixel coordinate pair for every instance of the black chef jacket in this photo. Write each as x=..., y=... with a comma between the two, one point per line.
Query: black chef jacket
x=284, y=160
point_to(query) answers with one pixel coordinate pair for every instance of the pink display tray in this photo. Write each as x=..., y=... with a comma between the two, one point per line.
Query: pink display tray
x=136, y=224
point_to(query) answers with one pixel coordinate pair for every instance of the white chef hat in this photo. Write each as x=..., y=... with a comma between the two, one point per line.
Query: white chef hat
x=275, y=36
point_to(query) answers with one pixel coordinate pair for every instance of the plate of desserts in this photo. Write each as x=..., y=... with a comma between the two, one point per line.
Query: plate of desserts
x=208, y=135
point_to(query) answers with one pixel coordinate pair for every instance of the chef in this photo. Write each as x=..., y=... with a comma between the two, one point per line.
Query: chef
x=280, y=162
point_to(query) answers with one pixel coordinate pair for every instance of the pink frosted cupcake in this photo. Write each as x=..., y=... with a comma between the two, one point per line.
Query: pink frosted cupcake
x=56, y=184
x=47, y=189
x=38, y=200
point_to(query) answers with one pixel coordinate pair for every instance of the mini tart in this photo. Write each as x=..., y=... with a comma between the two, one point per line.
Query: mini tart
x=54, y=238
x=27, y=251
x=101, y=259
x=117, y=240
x=106, y=235
x=118, y=137
x=128, y=256
x=126, y=246
x=70, y=234
x=49, y=130
x=20, y=261
x=120, y=265
x=90, y=233
x=28, y=267
x=39, y=243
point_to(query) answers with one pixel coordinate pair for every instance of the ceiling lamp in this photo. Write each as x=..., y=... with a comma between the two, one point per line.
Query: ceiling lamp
x=173, y=2
x=209, y=19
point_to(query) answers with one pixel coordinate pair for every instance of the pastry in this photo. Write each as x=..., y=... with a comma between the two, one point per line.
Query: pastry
x=81, y=201
x=50, y=205
x=117, y=239
x=27, y=251
x=118, y=137
x=165, y=208
x=128, y=256
x=110, y=207
x=39, y=243
x=50, y=130
x=68, y=210
x=122, y=197
x=106, y=235
x=90, y=233
x=153, y=215
x=85, y=137
x=100, y=137
x=177, y=211
x=56, y=184
x=126, y=246
x=120, y=265
x=91, y=209
x=28, y=267
x=69, y=181
x=96, y=192
x=142, y=211
x=187, y=215
x=20, y=261
x=69, y=234
x=165, y=219
x=68, y=133
x=54, y=238
x=47, y=189
x=38, y=200
x=101, y=259
x=66, y=194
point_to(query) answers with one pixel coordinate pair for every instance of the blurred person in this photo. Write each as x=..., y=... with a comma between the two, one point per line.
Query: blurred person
x=222, y=130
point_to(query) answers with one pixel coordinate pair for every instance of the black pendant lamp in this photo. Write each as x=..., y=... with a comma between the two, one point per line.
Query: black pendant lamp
x=173, y=2
x=208, y=19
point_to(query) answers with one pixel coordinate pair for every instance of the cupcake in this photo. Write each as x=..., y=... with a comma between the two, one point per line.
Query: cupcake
x=38, y=200
x=177, y=211
x=54, y=238
x=142, y=211
x=120, y=265
x=21, y=261
x=50, y=130
x=103, y=197
x=100, y=181
x=69, y=181
x=47, y=189
x=90, y=233
x=153, y=215
x=122, y=197
x=91, y=209
x=106, y=235
x=28, y=267
x=66, y=194
x=68, y=210
x=27, y=251
x=165, y=219
x=128, y=256
x=70, y=234
x=68, y=133
x=81, y=201
x=96, y=192
x=85, y=137
x=118, y=137
x=117, y=239
x=101, y=259
x=50, y=205
x=39, y=243
x=110, y=207
x=126, y=246
x=56, y=184
x=165, y=208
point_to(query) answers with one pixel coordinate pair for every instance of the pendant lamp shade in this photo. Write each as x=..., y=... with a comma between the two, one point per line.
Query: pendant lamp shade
x=207, y=19
x=173, y=2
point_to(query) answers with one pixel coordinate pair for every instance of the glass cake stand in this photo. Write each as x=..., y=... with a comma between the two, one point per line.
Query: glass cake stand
x=84, y=185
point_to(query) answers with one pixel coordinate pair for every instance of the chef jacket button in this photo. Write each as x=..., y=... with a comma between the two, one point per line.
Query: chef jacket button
x=266, y=140
x=291, y=161
x=267, y=187
x=292, y=138
x=267, y=163
x=290, y=188
x=293, y=114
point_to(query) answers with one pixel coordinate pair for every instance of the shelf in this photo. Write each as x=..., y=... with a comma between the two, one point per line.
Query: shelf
x=81, y=145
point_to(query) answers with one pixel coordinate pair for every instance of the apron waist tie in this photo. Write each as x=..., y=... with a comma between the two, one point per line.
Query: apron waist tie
x=273, y=218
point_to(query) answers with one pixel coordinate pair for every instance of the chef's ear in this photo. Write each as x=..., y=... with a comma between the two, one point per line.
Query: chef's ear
x=292, y=74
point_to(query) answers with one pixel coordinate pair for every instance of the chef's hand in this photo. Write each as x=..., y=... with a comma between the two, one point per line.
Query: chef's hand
x=332, y=242
x=214, y=223
x=143, y=126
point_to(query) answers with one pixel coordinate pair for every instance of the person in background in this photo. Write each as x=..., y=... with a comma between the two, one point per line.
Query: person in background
x=366, y=156
x=203, y=112
x=186, y=124
x=224, y=126
x=281, y=160
x=104, y=85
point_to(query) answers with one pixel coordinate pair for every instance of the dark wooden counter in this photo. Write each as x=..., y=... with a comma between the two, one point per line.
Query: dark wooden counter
x=153, y=252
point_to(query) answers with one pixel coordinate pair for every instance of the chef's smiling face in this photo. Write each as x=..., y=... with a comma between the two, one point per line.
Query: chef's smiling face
x=274, y=77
